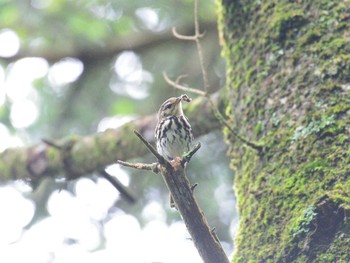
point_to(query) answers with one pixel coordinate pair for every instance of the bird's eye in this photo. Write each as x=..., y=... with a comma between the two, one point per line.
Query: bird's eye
x=167, y=107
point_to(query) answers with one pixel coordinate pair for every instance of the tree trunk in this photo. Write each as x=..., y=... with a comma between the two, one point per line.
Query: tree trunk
x=288, y=83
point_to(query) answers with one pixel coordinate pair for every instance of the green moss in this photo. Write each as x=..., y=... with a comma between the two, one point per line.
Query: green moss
x=337, y=67
x=329, y=47
x=288, y=72
x=258, y=127
x=285, y=20
x=341, y=194
x=13, y=165
x=53, y=157
x=310, y=37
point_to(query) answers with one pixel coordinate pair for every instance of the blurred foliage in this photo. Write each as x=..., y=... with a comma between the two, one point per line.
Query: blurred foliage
x=126, y=83
x=81, y=29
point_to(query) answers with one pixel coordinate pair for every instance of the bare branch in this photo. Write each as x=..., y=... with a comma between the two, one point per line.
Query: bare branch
x=205, y=240
x=196, y=37
x=188, y=156
x=141, y=166
x=195, y=18
x=206, y=243
x=180, y=87
x=123, y=190
x=159, y=157
x=179, y=78
x=51, y=143
x=189, y=38
x=199, y=48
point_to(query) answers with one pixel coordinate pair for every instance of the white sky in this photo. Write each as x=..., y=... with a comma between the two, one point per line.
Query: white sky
x=76, y=217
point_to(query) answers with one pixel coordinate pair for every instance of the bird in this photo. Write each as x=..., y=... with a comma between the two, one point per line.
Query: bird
x=173, y=132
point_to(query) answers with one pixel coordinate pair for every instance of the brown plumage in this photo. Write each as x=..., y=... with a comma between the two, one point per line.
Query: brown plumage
x=173, y=132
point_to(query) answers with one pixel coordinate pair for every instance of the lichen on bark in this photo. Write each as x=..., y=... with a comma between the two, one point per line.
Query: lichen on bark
x=288, y=87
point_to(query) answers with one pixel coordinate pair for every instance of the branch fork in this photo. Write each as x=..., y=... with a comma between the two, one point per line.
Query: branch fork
x=173, y=173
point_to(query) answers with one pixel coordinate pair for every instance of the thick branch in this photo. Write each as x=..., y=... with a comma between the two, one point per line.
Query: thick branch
x=77, y=156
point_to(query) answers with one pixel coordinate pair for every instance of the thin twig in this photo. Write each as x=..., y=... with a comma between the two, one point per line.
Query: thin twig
x=196, y=37
x=123, y=190
x=188, y=156
x=195, y=18
x=184, y=37
x=180, y=87
x=199, y=48
x=159, y=157
x=141, y=166
x=180, y=77
x=51, y=143
x=254, y=145
x=194, y=186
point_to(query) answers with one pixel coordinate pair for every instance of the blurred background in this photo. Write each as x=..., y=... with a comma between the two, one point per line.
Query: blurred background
x=80, y=67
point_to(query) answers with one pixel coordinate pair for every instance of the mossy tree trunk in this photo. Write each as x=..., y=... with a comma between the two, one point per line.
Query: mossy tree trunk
x=288, y=88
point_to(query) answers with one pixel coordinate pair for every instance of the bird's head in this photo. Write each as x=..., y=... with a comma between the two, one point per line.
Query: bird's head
x=172, y=107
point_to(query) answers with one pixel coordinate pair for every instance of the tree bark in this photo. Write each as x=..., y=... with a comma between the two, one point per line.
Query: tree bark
x=288, y=82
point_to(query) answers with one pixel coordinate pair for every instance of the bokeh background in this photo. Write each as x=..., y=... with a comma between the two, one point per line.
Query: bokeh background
x=80, y=67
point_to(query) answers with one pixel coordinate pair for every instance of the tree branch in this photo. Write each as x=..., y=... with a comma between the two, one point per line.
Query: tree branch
x=205, y=240
x=159, y=157
x=176, y=85
x=77, y=156
x=123, y=190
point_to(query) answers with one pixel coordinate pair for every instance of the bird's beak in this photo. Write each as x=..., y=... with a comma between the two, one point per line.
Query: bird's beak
x=178, y=99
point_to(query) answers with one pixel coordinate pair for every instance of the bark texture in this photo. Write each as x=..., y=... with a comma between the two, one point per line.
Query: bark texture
x=288, y=87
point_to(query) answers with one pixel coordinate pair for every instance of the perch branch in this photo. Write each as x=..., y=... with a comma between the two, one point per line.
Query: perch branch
x=151, y=149
x=205, y=240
